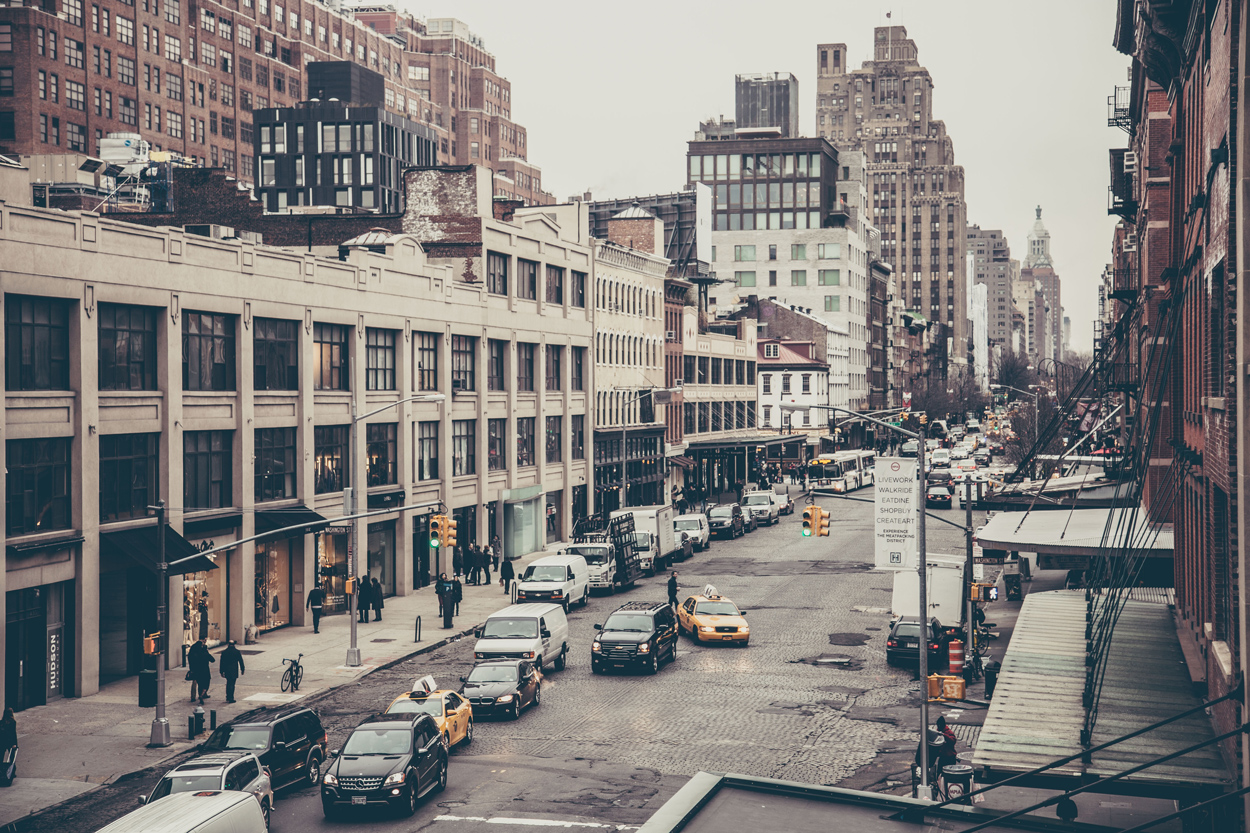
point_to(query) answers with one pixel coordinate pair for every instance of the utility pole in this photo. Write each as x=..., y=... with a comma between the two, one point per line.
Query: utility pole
x=349, y=495
x=160, y=724
x=968, y=570
x=925, y=632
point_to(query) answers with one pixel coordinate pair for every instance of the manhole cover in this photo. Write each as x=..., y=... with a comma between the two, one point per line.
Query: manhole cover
x=381, y=640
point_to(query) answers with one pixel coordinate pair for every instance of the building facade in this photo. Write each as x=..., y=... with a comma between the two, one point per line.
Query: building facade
x=885, y=109
x=992, y=267
x=793, y=375
x=767, y=102
x=1039, y=266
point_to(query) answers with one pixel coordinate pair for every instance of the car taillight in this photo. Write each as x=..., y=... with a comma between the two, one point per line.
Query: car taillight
x=890, y=643
x=933, y=647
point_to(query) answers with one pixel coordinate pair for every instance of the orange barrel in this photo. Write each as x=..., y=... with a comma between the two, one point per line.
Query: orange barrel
x=956, y=656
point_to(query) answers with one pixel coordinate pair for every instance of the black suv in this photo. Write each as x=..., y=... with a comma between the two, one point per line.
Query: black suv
x=389, y=760
x=290, y=742
x=726, y=519
x=637, y=634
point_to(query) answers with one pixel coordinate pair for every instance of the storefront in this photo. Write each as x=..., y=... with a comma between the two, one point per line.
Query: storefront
x=206, y=593
x=555, y=516
x=332, y=567
x=382, y=555
x=275, y=560
x=37, y=630
x=523, y=521
x=422, y=556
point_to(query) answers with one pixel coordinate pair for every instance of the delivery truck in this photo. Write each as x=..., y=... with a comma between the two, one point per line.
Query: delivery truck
x=654, y=539
x=945, y=586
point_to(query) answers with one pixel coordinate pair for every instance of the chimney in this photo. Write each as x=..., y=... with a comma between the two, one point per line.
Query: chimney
x=504, y=208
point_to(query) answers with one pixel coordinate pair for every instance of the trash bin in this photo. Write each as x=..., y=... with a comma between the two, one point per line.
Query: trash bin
x=1014, y=590
x=147, y=688
x=958, y=780
x=991, y=668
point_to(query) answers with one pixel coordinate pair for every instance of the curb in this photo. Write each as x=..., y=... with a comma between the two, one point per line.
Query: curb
x=454, y=636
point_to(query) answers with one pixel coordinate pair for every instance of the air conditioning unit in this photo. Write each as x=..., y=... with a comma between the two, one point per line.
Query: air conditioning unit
x=670, y=335
x=1130, y=162
x=1130, y=241
x=457, y=384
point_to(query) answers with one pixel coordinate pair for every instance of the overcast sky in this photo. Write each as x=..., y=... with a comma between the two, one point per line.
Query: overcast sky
x=610, y=94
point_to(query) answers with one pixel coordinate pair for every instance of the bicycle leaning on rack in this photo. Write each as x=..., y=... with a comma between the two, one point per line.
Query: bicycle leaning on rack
x=294, y=675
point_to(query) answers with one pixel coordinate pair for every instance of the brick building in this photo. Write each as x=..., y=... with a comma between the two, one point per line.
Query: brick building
x=187, y=76
x=885, y=108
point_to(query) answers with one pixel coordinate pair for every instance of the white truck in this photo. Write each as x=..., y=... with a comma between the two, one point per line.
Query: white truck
x=653, y=536
x=945, y=589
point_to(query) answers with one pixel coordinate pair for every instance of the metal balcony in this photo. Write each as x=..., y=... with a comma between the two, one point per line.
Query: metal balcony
x=1118, y=109
x=1124, y=284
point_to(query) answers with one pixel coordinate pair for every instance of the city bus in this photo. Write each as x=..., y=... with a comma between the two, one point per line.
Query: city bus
x=843, y=472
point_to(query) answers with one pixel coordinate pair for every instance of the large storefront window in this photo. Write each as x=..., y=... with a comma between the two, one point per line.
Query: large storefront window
x=273, y=584
x=524, y=522
x=382, y=555
x=205, y=598
x=332, y=568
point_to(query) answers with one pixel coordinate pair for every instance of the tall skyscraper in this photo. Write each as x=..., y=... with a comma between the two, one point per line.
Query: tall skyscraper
x=885, y=108
x=767, y=102
x=991, y=263
x=1039, y=266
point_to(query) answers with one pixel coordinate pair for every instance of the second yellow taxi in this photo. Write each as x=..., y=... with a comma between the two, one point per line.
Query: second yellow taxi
x=450, y=711
x=710, y=617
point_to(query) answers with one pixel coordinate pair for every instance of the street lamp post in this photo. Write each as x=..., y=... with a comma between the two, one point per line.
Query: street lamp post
x=349, y=509
x=922, y=574
x=160, y=724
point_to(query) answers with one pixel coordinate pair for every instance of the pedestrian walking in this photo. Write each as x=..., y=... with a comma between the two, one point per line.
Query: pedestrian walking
x=506, y=574
x=316, y=600
x=457, y=594
x=492, y=551
x=231, y=668
x=441, y=588
x=198, y=660
x=457, y=562
x=672, y=590
x=8, y=748
x=484, y=552
x=375, y=599
x=474, y=565
x=364, y=595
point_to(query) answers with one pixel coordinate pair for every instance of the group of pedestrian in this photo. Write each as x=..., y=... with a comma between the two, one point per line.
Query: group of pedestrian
x=199, y=672
x=369, y=596
x=474, y=564
x=450, y=593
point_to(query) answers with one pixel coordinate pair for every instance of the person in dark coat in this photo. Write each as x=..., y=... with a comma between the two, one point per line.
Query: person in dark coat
x=375, y=600
x=231, y=668
x=506, y=574
x=198, y=660
x=470, y=564
x=316, y=600
x=8, y=747
x=457, y=594
x=457, y=562
x=441, y=588
x=672, y=590
x=364, y=596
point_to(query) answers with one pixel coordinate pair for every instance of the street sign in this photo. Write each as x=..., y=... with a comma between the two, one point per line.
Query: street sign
x=896, y=521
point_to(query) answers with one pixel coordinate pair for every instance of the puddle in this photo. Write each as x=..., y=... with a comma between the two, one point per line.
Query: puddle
x=848, y=639
x=843, y=663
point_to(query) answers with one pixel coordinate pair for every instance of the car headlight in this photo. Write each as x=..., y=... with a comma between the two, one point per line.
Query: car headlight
x=706, y=629
x=478, y=655
x=595, y=646
x=330, y=780
x=507, y=698
x=393, y=779
x=528, y=654
x=644, y=648
x=745, y=629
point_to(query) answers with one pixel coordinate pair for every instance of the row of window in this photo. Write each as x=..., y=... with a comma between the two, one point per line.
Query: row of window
x=766, y=382
x=709, y=370
x=798, y=277
x=702, y=417
x=798, y=251
x=500, y=277
x=37, y=341
x=734, y=166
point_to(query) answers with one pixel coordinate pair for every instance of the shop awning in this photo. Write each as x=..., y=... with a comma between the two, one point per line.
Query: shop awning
x=142, y=545
x=684, y=462
x=268, y=520
x=1075, y=532
x=747, y=442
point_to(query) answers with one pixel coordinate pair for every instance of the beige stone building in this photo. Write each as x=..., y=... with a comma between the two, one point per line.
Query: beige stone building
x=221, y=376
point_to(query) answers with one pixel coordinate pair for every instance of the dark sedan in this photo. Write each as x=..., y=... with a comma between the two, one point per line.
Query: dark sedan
x=938, y=496
x=902, y=645
x=502, y=687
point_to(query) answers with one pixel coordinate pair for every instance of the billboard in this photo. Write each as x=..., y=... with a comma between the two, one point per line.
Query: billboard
x=896, y=521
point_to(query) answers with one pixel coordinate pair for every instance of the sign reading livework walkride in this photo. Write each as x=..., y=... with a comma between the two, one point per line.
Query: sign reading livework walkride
x=896, y=521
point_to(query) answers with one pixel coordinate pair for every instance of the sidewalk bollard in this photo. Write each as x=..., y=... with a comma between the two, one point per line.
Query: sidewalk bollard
x=513, y=588
x=448, y=607
x=190, y=727
x=418, y=638
x=212, y=720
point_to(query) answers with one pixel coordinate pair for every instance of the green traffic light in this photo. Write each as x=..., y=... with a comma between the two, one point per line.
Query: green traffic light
x=434, y=542
x=807, y=533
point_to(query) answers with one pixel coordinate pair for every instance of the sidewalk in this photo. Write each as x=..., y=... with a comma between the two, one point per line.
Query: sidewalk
x=74, y=745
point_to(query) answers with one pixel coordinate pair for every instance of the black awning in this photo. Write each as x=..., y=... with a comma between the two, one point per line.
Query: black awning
x=142, y=546
x=269, y=520
x=386, y=500
x=745, y=442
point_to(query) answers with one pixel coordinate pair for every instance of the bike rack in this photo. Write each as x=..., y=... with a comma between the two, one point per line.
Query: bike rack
x=418, y=636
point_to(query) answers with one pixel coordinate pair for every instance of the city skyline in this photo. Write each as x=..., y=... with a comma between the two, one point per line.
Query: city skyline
x=1032, y=132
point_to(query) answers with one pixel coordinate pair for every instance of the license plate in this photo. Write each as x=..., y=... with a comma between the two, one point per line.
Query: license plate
x=727, y=637
x=360, y=799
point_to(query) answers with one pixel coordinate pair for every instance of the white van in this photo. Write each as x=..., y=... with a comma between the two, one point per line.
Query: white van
x=695, y=526
x=206, y=811
x=561, y=579
x=533, y=631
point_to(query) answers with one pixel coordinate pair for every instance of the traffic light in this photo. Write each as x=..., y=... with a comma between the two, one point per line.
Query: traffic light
x=810, y=513
x=924, y=419
x=449, y=532
x=349, y=586
x=822, y=522
x=436, y=531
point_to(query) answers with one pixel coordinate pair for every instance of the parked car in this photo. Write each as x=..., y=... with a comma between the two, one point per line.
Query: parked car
x=289, y=740
x=938, y=496
x=502, y=687
x=696, y=526
x=786, y=503
x=389, y=760
x=726, y=520
x=763, y=507
x=902, y=645
x=236, y=771
x=636, y=635
x=202, y=811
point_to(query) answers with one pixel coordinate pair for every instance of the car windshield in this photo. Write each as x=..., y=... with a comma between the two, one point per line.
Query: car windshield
x=544, y=572
x=721, y=512
x=628, y=622
x=593, y=555
x=716, y=609
x=493, y=674
x=371, y=741
x=432, y=706
x=507, y=628
x=171, y=784
x=907, y=629
x=757, y=500
x=687, y=524
x=242, y=737
x=643, y=539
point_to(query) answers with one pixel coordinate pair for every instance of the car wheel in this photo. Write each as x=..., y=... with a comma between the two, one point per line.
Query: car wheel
x=672, y=652
x=313, y=775
x=653, y=664
x=265, y=811
x=538, y=695
x=442, y=778
x=566, y=606
x=410, y=809
x=447, y=739
x=561, y=660
x=516, y=707
x=468, y=733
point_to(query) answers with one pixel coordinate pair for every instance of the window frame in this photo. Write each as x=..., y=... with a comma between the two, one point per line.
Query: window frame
x=108, y=360
x=276, y=461
x=275, y=346
x=215, y=460
x=463, y=363
x=525, y=427
x=525, y=367
x=24, y=312
x=383, y=437
x=34, y=465
x=221, y=335
x=463, y=447
x=331, y=459
x=425, y=450
x=497, y=444
x=380, y=346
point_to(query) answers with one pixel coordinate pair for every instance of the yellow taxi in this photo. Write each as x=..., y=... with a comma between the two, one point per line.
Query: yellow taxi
x=710, y=617
x=450, y=711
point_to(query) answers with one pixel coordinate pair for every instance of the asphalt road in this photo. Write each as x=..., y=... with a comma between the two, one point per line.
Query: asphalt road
x=811, y=699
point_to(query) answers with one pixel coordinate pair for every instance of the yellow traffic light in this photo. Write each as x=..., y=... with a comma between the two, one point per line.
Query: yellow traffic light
x=437, y=532
x=349, y=586
x=822, y=522
x=810, y=513
x=924, y=419
x=449, y=532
